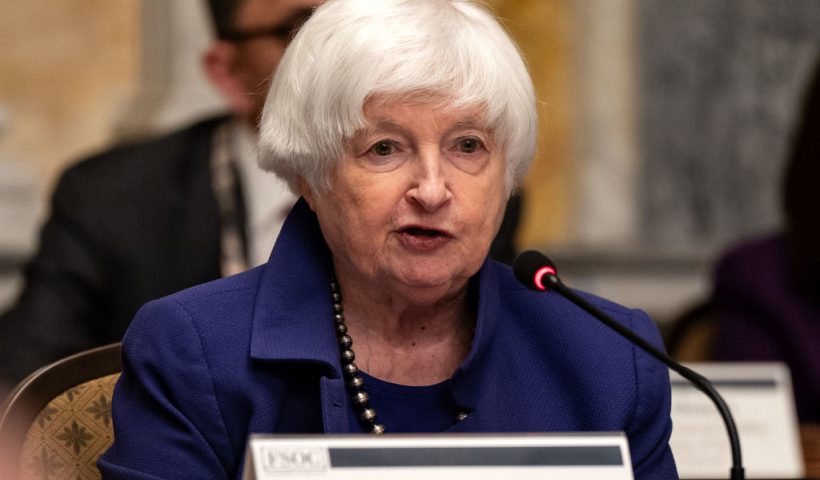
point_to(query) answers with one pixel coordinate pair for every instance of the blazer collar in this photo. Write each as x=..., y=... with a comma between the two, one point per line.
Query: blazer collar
x=469, y=380
x=292, y=319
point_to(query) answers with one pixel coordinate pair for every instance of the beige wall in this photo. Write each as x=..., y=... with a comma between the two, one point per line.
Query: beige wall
x=66, y=67
x=543, y=30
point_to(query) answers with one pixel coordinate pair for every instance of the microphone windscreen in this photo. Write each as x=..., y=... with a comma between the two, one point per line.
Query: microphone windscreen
x=530, y=267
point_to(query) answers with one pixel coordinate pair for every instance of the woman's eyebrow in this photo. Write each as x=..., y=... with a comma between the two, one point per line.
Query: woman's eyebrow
x=383, y=124
x=471, y=122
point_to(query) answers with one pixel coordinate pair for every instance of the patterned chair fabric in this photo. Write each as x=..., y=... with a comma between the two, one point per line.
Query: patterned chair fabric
x=70, y=433
x=57, y=422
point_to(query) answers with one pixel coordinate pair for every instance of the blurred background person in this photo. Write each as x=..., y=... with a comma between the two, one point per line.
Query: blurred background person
x=143, y=220
x=766, y=298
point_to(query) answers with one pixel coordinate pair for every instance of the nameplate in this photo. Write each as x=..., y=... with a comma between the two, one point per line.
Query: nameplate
x=762, y=404
x=587, y=456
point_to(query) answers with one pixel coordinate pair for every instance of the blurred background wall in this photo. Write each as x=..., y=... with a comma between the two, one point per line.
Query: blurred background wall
x=664, y=122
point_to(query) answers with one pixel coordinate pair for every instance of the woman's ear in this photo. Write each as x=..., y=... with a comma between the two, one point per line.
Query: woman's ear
x=220, y=63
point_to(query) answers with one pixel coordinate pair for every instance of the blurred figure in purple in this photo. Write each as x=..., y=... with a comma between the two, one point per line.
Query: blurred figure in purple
x=766, y=298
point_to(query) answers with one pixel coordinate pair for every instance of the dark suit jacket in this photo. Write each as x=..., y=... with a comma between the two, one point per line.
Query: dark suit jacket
x=257, y=353
x=126, y=226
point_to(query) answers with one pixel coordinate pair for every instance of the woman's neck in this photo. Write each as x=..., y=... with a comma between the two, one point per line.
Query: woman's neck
x=401, y=341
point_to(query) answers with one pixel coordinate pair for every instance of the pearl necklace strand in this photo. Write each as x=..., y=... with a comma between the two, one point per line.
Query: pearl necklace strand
x=355, y=383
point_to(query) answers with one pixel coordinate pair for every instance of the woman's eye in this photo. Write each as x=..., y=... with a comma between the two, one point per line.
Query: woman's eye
x=383, y=149
x=469, y=145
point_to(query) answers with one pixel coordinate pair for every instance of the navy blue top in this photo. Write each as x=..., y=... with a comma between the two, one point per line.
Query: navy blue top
x=409, y=409
x=257, y=353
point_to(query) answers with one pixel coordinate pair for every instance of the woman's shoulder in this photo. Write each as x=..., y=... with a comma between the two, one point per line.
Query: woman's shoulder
x=514, y=293
x=561, y=348
x=555, y=322
x=222, y=289
x=208, y=310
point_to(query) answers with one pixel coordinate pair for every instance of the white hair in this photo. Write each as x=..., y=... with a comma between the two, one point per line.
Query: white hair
x=352, y=50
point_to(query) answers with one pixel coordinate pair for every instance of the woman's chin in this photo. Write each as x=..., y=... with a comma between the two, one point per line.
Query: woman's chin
x=430, y=280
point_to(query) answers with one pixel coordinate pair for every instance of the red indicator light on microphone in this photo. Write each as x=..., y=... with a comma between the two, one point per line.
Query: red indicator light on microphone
x=536, y=271
x=539, y=276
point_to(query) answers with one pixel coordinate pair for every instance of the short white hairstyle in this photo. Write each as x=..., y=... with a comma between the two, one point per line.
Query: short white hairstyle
x=350, y=51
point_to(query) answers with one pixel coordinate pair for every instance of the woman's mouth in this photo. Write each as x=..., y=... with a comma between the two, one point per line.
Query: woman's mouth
x=423, y=239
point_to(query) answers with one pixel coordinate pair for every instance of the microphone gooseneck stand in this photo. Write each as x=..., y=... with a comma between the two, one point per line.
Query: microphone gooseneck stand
x=533, y=269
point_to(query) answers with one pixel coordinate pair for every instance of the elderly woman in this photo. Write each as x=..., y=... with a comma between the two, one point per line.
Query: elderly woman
x=404, y=125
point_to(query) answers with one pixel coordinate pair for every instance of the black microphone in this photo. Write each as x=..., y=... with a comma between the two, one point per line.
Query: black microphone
x=538, y=273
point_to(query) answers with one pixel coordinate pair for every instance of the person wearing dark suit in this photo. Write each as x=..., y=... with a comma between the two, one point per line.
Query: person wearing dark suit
x=150, y=218
x=111, y=243
x=404, y=125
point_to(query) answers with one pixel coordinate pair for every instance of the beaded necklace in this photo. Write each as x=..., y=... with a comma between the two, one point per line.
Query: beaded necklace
x=355, y=383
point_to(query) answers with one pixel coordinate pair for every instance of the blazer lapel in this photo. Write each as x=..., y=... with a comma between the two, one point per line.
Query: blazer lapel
x=292, y=318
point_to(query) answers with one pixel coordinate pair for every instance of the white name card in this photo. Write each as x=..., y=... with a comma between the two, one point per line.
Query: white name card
x=586, y=456
x=762, y=404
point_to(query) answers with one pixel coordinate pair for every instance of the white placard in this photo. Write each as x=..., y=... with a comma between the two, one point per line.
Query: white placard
x=584, y=456
x=760, y=398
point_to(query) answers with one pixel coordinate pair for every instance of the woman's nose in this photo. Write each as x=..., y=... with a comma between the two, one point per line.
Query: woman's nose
x=429, y=188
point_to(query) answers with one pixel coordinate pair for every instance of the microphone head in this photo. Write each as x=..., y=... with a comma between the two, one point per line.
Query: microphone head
x=532, y=267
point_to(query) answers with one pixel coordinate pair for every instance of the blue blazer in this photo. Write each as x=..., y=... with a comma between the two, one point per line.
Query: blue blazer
x=257, y=353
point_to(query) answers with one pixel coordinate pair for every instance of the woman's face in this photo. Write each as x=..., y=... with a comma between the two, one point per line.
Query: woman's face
x=416, y=199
